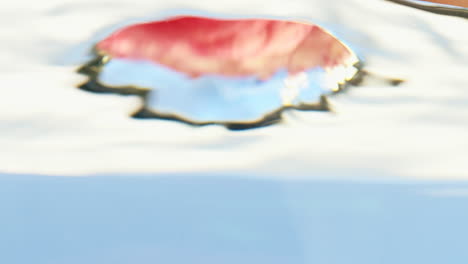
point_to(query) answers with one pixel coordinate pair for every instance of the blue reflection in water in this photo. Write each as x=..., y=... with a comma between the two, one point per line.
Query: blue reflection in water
x=218, y=219
x=218, y=98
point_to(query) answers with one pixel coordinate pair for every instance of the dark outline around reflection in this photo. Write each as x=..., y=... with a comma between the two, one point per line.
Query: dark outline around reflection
x=93, y=68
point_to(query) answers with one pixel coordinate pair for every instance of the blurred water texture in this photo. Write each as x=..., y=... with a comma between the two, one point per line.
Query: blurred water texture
x=414, y=137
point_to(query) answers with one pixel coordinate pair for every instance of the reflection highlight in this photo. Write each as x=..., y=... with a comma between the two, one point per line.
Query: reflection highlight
x=205, y=72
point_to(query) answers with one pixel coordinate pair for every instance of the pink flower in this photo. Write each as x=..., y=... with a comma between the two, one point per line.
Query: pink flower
x=199, y=45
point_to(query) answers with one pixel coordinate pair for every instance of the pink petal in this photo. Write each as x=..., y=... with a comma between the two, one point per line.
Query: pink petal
x=198, y=45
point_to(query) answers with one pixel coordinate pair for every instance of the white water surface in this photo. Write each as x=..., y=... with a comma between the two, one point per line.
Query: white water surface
x=417, y=130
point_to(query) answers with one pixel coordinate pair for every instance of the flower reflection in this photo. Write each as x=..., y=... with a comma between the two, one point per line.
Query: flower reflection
x=240, y=73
